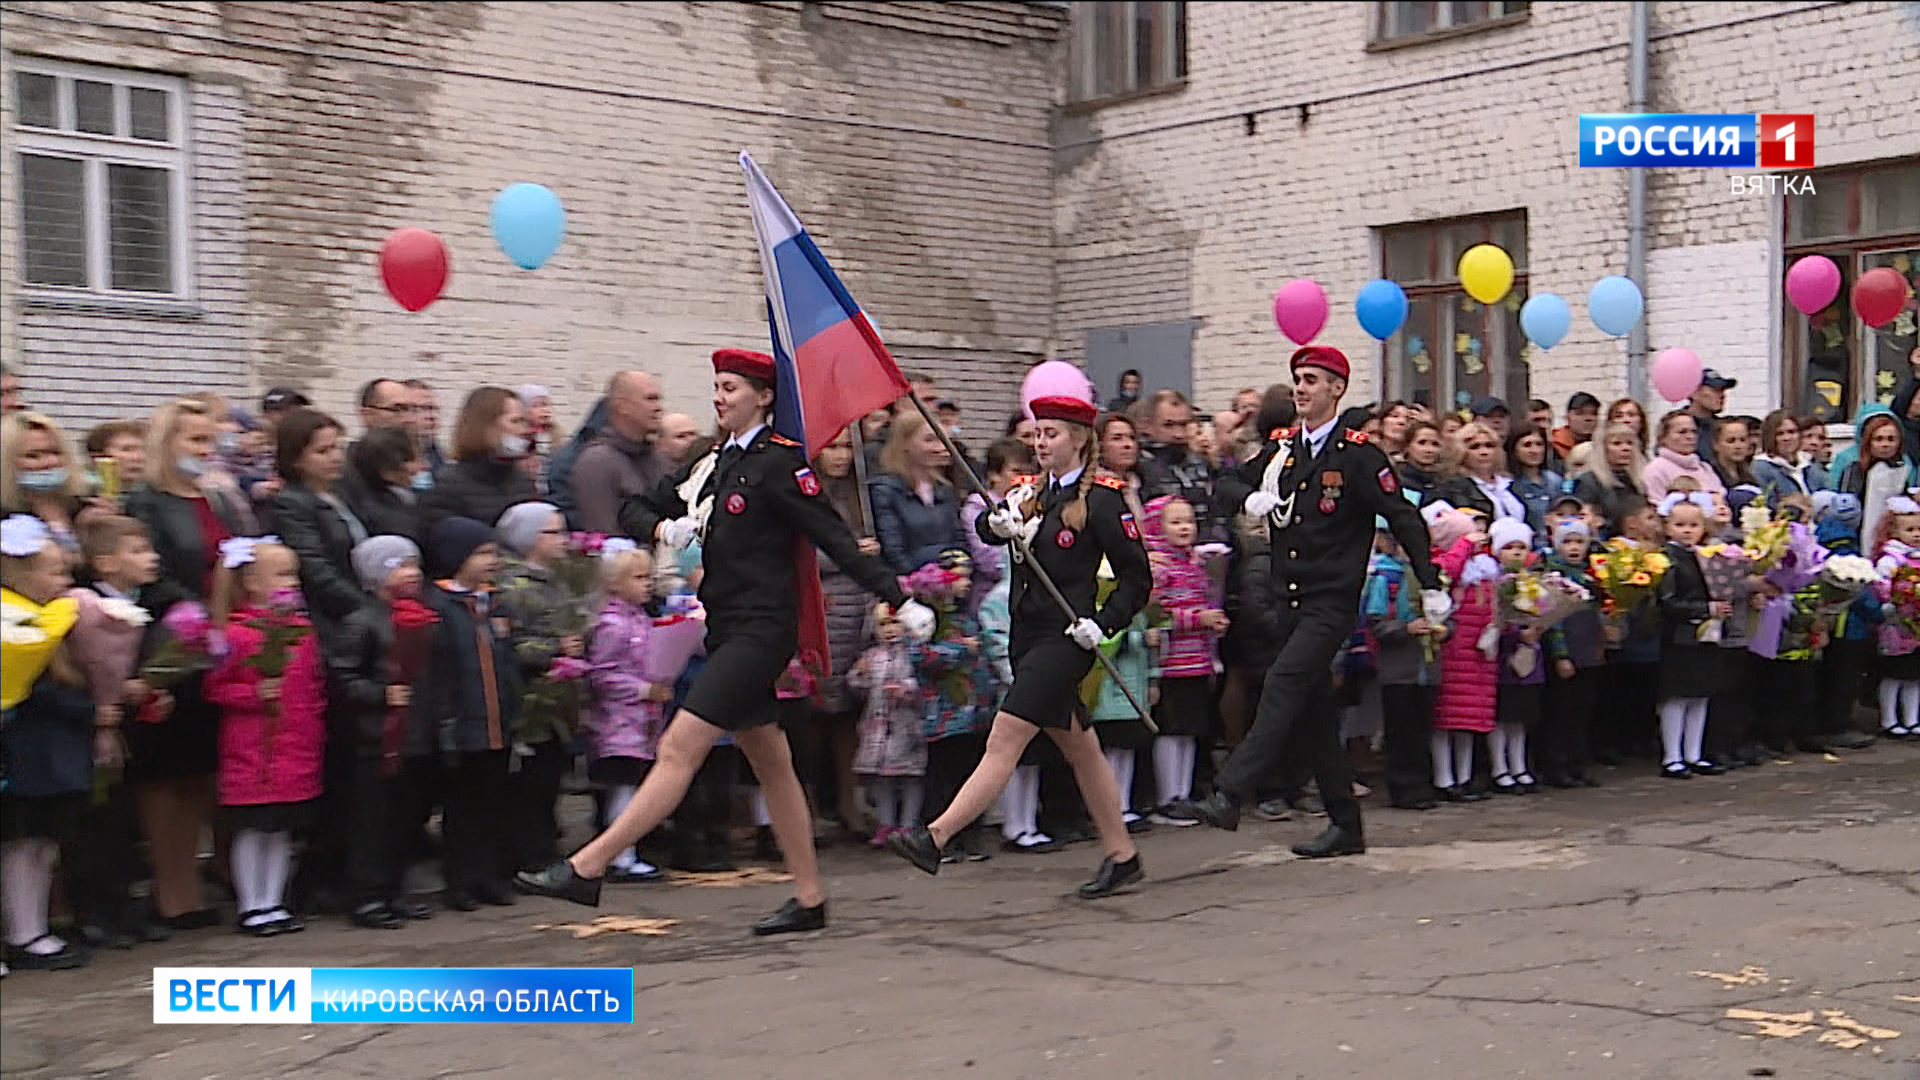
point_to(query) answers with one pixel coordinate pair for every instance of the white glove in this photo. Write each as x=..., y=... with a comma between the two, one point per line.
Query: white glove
x=1436, y=605
x=679, y=532
x=1261, y=503
x=917, y=619
x=1004, y=522
x=1086, y=633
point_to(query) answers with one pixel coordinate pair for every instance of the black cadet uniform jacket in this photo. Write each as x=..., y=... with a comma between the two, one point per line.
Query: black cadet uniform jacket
x=762, y=496
x=1321, y=546
x=1072, y=560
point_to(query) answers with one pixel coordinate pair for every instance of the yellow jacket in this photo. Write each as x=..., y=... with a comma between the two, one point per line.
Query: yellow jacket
x=29, y=636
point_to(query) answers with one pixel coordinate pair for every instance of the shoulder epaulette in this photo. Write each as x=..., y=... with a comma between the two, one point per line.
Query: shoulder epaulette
x=778, y=439
x=1029, y=480
x=1359, y=438
x=1280, y=434
x=1113, y=482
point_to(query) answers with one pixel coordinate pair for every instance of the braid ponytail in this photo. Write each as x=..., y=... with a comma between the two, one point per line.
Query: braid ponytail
x=1074, y=514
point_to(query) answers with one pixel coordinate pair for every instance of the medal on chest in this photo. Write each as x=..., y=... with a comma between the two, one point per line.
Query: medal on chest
x=1064, y=537
x=736, y=503
x=1331, y=483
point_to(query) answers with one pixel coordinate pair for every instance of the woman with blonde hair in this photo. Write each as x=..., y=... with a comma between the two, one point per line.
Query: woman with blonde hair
x=1628, y=412
x=40, y=476
x=173, y=752
x=1481, y=479
x=916, y=511
x=1615, y=473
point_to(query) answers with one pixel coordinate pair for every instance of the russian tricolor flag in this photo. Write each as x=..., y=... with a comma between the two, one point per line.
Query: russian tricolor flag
x=831, y=368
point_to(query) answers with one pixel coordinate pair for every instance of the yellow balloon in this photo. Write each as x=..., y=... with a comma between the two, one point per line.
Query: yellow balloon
x=1486, y=273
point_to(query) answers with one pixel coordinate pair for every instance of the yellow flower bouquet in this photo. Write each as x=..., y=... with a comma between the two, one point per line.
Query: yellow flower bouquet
x=1627, y=574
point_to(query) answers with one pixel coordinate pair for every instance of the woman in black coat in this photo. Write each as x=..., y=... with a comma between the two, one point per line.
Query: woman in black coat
x=379, y=483
x=314, y=520
x=487, y=474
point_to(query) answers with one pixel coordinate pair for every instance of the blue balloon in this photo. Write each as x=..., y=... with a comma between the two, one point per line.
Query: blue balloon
x=1381, y=307
x=1545, y=319
x=1615, y=304
x=528, y=224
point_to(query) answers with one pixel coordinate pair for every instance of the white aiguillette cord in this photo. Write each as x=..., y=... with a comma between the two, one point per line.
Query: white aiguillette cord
x=698, y=508
x=1270, y=483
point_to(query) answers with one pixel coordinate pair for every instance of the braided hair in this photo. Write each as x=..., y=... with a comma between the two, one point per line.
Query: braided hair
x=1074, y=514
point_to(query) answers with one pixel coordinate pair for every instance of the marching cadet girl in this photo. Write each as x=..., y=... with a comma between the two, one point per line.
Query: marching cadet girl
x=1077, y=520
x=747, y=502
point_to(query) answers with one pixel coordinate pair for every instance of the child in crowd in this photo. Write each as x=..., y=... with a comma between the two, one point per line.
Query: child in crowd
x=1898, y=551
x=1007, y=461
x=50, y=744
x=1850, y=655
x=107, y=643
x=956, y=695
x=1626, y=719
x=548, y=613
x=892, y=759
x=1577, y=647
x=1190, y=602
x=626, y=713
x=1688, y=667
x=271, y=690
x=475, y=696
x=1407, y=664
x=1523, y=671
x=1470, y=658
x=1133, y=651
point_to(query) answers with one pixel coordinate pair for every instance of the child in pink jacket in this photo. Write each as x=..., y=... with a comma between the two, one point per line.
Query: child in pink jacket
x=1469, y=663
x=270, y=688
x=625, y=712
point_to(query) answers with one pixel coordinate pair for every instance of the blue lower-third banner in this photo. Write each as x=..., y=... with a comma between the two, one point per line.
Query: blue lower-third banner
x=205, y=995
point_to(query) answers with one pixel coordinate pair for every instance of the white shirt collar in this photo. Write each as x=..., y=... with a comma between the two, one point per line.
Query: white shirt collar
x=746, y=437
x=1317, y=437
x=1071, y=478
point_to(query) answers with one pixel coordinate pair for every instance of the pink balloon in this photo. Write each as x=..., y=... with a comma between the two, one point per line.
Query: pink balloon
x=1812, y=283
x=1300, y=310
x=1676, y=373
x=1054, y=378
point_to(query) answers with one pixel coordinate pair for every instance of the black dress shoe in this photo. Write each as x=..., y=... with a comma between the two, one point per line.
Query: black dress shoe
x=287, y=921
x=409, y=908
x=198, y=919
x=633, y=875
x=1811, y=745
x=1334, y=841
x=1676, y=771
x=1112, y=877
x=460, y=900
x=917, y=847
x=1704, y=768
x=560, y=882
x=793, y=919
x=1220, y=810
x=1851, y=740
x=375, y=915
x=1463, y=793
x=1413, y=804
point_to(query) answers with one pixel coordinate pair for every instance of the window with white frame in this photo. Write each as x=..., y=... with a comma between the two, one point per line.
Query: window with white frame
x=1402, y=20
x=1120, y=48
x=104, y=188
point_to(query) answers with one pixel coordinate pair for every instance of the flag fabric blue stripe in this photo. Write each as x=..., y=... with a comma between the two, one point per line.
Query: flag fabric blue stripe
x=808, y=289
x=789, y=418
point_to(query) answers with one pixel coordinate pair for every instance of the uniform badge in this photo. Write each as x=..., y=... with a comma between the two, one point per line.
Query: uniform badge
x=809, y=483
x=736, y=503
x=1064, y=538
x=1128, y=526
x=1331, y=483
x=1328, y=505
x=1387, y=482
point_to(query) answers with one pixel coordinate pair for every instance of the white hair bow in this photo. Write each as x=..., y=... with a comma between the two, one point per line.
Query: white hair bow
x=23, y=535
x=617, y=545
x=237, y=551
x=1674, y=498
x=1901, y=504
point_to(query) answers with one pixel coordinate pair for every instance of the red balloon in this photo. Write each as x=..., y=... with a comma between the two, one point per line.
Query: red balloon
x=1879, y=295
x=413, y=264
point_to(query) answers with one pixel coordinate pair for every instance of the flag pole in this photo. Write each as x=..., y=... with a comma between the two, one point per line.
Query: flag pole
x=860, y=475
x=1025, y=554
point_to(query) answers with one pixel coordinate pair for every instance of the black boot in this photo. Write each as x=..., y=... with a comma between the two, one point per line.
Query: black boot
x=792, y=919
x=917, y=847
x=560, y=882
x=1220, y=810
x=1334, y=841
x=1112, y=877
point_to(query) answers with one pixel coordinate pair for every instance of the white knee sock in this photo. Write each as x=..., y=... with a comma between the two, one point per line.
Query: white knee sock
x=913, y=795
x=1189, y=760
x=1696, y=731
x=1020, y=803
x=276, y=868
x=758, y=801
x=248, y=853
x=618, y=796
x=1517, y=753
x=1910, y=705
x=1440, y=745
x=1673, y=728
x=24, y=892
x=1497, y=756
x=885, y=805
x=1173, y=767
x=1121, y=762
x=1890, y=702
x=1462, y=756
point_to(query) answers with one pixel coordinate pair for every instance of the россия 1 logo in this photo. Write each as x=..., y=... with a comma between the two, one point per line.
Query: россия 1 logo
x=1704, y=140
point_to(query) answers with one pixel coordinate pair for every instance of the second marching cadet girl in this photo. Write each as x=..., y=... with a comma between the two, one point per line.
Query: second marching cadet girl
x=1074, y=522
x=747, y=502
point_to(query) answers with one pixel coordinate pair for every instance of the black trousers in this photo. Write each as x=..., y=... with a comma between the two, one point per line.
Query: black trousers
x=1406, y=741
x=321, y=880
x=374, y=808
x=1560, y=744
x=533, y=789
x=1297, y=695
x=1624, y=726
x=474, y=819
x=1785, y=694
x=949, y=762
x=1843, y=674
x=1730, y=712
x=100, y=862
x=703, y=818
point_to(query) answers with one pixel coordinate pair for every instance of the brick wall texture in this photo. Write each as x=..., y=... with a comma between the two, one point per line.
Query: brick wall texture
x=926, y=146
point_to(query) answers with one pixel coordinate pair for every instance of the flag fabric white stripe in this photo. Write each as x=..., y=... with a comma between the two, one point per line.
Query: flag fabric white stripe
x=773, y=222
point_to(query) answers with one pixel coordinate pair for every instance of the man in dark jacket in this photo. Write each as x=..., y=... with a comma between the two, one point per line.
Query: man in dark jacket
x=1168, y=466
x=623, y=461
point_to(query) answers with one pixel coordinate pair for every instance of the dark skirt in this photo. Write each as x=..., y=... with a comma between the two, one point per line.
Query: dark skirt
x=185, y=744
x=1046, y=682
x=1690, y=671
x=50, y=817
x=1123, y=735
x=1186, y=707
x=618, y=771
x=271, y=817
x=1520, y=704
x=734, y=692
x=1901, y=668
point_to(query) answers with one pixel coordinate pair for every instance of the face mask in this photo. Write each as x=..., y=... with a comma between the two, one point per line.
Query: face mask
x=190, y=466
x=229, y=443
x=44, y=480
x=422, y=481
x=513, y=446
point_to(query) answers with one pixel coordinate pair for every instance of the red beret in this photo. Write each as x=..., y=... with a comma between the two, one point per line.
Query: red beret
x=1324, y=357
x=1063, y=408
x=744, y=362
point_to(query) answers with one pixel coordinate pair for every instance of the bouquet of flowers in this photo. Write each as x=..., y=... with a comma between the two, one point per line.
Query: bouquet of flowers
x=943, y=584
x=1796, y=562
x=1901, y=593
x=413, y=624
x=283, y=626
x=1537, y=601
x=1626, y=574
x=678, y=636
x=191, y=646
x=1767, y=542
x=1723, y=566
x=1841, y=580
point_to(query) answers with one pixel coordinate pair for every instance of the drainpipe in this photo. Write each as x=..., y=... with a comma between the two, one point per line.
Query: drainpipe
x=1637, y=102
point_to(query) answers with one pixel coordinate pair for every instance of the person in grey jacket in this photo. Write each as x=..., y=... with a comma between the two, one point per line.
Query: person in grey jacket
x=916, y=512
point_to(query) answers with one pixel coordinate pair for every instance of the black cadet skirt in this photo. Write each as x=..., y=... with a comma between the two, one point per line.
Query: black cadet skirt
x=1046, y=681
x=734, y=692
